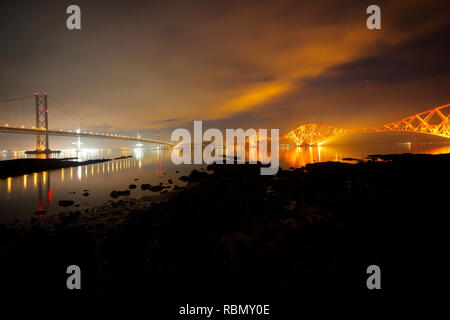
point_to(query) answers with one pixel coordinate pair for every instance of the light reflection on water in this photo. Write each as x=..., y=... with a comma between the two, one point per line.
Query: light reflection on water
x=298, y=157
x=22, y=196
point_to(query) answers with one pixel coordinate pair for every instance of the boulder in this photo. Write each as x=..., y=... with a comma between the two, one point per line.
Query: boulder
x=65, y=203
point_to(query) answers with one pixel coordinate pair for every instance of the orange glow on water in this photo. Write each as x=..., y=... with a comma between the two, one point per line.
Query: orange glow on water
x=439, y=150
x=8, y=184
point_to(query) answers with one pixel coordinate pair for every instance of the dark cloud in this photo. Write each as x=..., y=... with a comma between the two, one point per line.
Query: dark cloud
x=419, y=58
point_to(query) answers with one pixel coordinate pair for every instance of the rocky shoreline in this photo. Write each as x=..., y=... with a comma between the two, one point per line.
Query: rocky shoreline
x=305, y=232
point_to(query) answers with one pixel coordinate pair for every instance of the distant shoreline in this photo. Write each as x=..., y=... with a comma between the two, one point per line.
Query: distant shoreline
x=17, y=167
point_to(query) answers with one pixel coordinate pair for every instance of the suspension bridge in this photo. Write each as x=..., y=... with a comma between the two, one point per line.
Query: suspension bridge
x=435, y=121
x=21, y=116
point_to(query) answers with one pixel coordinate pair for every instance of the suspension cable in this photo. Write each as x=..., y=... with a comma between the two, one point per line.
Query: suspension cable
x=14, y=99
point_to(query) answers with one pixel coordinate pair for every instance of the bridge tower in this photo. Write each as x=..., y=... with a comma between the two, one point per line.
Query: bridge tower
x=41, y=129
x=41, y=122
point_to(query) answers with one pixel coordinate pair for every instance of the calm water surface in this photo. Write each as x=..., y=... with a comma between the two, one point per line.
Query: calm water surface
x=22, y=196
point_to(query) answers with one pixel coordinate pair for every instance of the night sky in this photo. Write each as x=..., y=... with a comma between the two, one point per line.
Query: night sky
x=141, y=65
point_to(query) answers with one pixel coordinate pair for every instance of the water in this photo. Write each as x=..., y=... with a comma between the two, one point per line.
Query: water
x=22, y=196
x=298, y=157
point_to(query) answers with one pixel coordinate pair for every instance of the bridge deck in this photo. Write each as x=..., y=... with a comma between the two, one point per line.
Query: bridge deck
x=20, y=130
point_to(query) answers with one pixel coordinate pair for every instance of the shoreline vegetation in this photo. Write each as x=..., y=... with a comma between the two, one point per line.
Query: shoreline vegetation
x=17, y=167
x=304, y=232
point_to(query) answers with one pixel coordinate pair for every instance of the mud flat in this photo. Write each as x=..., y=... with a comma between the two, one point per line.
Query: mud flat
x=305, y=233
x=17, y=167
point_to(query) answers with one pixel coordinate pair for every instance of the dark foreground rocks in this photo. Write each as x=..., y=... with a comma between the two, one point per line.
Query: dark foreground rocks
x=307, y=233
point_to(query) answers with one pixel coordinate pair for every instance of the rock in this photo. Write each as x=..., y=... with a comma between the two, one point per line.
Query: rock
x=237, y=245
x=70, y=217
x=163, y=192
x=116, y=194
x=132, y=186
x=65, y=203
x=177, y=171
x=156, y=188
x=39, y=212
x=86, y=194
x=99, y=226
x=194, y=176
x=170, y=181
x=145, y=186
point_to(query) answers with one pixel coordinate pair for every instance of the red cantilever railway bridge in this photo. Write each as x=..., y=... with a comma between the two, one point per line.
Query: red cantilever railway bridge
x=435, y=121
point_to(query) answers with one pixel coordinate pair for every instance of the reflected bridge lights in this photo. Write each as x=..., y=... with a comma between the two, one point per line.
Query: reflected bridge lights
x=138, y=153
